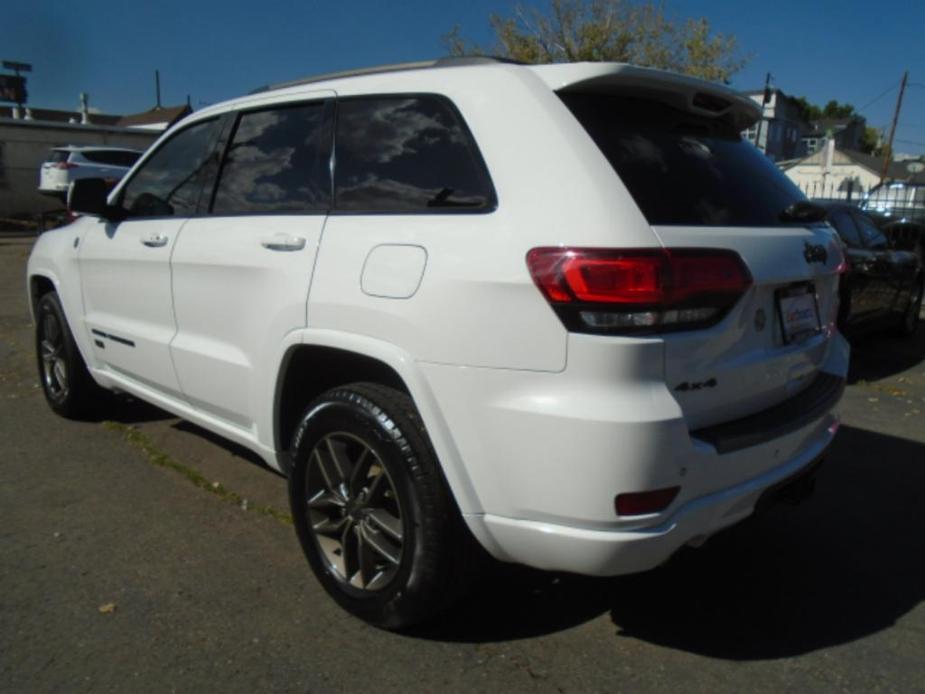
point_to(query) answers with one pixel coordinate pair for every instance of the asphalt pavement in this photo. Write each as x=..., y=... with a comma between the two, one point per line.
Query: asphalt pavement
x=142, y=553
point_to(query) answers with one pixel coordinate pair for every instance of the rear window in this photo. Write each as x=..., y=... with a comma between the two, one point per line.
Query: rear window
x=112, y=158
x=683, y=169
x=56, y=156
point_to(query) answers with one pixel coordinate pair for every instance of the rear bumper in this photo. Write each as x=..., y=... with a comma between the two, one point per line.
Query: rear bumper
x=613, y=552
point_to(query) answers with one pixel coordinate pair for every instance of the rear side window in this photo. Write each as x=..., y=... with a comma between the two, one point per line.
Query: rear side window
x=111, y=158
x=56, y=156
x=170, y=181
x=682, y=169
x=845, y=227
x=278, y=161
x=407, y=154
x=873, y=238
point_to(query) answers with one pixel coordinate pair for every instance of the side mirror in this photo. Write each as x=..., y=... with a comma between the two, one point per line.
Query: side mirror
x=88, y=196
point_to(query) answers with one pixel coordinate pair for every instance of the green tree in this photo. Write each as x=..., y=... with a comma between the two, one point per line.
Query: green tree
x=833, y=109
x=810, y=112
x=870, y=141
x=607, y=30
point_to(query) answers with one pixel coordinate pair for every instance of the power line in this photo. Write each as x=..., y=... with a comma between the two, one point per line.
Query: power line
x=876, y=99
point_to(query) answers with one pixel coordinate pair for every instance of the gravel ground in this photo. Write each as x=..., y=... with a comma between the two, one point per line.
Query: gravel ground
x=144, y=554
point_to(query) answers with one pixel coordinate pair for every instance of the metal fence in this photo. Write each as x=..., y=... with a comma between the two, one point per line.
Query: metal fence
x=852, y=192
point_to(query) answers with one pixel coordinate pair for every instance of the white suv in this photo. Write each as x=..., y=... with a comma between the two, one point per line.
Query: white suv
x=562, y=313
x=66, y=164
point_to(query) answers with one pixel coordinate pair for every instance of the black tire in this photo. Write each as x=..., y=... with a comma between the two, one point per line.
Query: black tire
x=68, y=386
x=428, y=562
x=909, y=323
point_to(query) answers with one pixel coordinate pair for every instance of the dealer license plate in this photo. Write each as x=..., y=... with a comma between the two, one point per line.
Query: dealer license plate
x=799, y=315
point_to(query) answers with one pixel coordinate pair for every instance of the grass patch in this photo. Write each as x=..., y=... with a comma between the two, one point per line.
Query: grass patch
x=161, y=459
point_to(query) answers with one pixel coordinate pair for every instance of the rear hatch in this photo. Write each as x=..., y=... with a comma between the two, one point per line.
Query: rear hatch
x=54, y=169
x=702, y=186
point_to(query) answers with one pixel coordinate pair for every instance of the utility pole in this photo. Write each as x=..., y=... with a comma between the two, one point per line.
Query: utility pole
x=765, y=100
x=888, y=153
x=157, y=87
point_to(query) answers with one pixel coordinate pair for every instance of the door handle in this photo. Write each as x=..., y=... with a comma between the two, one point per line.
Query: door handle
x=155, y=240
x=283, y=242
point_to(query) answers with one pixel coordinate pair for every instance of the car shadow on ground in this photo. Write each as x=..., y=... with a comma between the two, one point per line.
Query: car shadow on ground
x=127, y=410
x=879, y=356
x=844, y=565
x=234, y=449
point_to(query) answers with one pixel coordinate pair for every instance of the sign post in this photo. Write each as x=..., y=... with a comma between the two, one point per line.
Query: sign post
x=13, y=87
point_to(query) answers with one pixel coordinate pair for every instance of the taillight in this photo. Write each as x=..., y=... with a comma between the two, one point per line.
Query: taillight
x=602, y=290
x=64, y=165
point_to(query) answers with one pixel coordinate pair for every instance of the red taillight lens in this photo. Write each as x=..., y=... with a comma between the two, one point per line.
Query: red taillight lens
x=65, y=165
x=642, y=503
x=607, y=290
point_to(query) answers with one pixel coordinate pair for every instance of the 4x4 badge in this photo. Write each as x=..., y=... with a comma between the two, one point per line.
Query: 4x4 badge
x=815, y=253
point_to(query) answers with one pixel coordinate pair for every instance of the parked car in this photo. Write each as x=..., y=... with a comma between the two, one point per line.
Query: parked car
x=882, y=288
x=898, y=210
x=66, y=164
x=561, y=314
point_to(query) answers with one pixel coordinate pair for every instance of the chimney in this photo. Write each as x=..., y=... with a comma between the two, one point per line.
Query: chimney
x=84, y=111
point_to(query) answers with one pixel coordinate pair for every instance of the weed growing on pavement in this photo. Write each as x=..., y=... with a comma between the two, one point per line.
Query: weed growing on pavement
x=161, y=459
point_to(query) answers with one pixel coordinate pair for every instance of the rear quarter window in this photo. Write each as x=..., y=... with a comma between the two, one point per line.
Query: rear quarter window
x=407, y=154
x=684, y=169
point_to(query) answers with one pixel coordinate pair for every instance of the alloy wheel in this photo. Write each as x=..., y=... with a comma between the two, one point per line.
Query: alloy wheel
x=52, y=350
x=354, y=512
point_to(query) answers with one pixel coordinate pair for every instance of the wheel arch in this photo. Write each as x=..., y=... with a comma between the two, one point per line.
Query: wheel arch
x=40, y=284
x=322, y=362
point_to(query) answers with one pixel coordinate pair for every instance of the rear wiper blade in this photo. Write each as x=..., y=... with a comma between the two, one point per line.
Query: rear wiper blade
x=803, y=211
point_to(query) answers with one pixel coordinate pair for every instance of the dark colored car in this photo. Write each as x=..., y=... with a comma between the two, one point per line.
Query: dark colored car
x=882, y=287
x=898, y=210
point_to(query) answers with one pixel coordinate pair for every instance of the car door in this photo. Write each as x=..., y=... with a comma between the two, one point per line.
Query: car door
x=886, y=271
x=897, y=271
x=241, y=274
x=125, y=266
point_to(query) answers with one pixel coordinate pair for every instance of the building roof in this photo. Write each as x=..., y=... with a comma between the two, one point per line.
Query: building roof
x=167, y=115
x=823, y=125
x=897, y=170
x=55, y=116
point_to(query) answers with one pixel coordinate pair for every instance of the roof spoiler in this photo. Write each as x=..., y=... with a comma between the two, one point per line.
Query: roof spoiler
x=679, y=91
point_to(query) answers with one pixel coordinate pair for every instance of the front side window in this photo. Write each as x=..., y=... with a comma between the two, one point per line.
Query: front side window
x=681, y=168
x=407, y=154
x=278, y=161
x=170, y=181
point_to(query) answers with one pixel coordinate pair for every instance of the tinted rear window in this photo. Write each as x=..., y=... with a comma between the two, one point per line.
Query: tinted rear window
x=407, y=154
x=683, y=169
x=56, y=156
x=112, y=158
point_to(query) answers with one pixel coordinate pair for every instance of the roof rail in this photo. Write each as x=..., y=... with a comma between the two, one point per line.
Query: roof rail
x=449, y=61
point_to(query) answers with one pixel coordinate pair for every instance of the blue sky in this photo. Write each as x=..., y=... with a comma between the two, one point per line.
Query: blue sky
x=850, y=51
